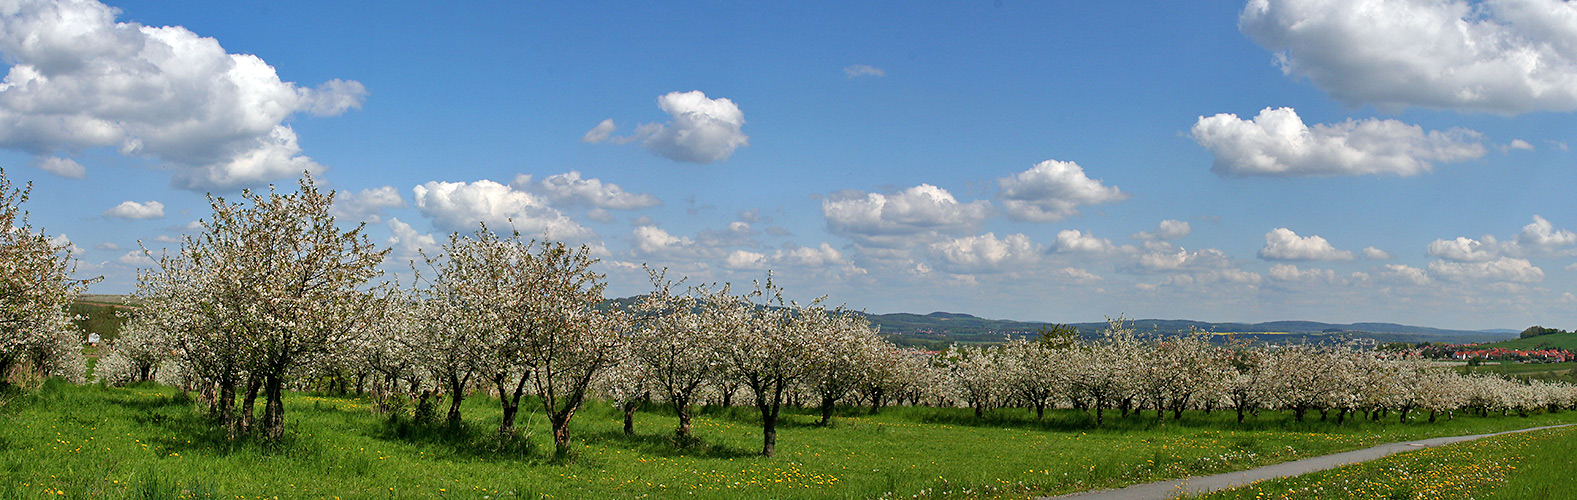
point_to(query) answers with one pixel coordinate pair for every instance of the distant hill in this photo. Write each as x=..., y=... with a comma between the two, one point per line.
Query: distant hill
x=944, y=327
x=938, y=329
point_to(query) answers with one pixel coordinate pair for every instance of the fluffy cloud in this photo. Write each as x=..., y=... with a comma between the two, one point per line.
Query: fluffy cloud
x=367, y=205
x=1168, y=230
x=408, y=243
x=1463, y=249
x=600, y=133
x=1168, y=258
x=886, y=219
x=1500, y=56
x=813, y=257
x=1540, y=236
x=1278, y=143
x=701, y=130
x=1504, y=269
x=1079, y=276
x=62, y=241
x=985, y=253
x=655, y=242
x=136, y=258
x=859, y=70
x=1289, y=272
x=460, y=206
x=64, y=167
x=1283, y=244
x=1052, y=190
x=738, y=233
x=1373, y=253
x=1405, y=274
x=1072, y=240
x=79, y=79
x=569, y=188
x=745, y=260
x=133, y=210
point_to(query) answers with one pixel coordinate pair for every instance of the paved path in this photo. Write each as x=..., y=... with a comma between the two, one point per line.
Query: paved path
x=1205, y=484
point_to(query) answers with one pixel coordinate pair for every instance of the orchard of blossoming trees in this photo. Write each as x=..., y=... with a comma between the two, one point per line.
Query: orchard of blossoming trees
x=35, y=287
x=272, y=295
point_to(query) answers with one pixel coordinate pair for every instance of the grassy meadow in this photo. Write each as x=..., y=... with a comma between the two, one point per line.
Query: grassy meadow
x=148, y=441
x=1534, y=465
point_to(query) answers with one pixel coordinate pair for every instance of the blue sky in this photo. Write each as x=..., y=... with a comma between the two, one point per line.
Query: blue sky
x=1225, y=161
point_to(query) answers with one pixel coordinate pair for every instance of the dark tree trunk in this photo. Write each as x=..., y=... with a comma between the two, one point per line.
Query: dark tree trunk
x=456, y=397
x=629, y=417
x=226, y=406
x=253, y=383
x=274, y=409
x=826, y=410
x=510, y=403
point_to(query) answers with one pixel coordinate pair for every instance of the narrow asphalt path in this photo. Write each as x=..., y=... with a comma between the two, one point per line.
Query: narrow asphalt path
x=1205, y=484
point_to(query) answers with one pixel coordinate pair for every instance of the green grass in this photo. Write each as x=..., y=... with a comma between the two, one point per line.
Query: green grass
x=1567, y=341
x=1531, y=465
x=148, y=442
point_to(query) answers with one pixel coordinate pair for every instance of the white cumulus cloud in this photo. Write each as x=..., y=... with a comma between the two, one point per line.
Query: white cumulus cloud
x=1169, y=258
x=1277, y=143
x=460, y=206
x=1052, y=190
x=64, y=167
x=1540, y=236
x=1504, y=269
x=366, y=205
x=745, y=259
x=1168, y=230
x=1464, y=249
x=702, y=130
x=1499, y=56
x=569, y=188
x=884, y=219
x=1073, y=240
x=136, y=258
x=133, y=210
x=985, y=253
x=1289, y=273
x=408, y=243
x=1284, y=244
x=79, y=79
x=1373, y=253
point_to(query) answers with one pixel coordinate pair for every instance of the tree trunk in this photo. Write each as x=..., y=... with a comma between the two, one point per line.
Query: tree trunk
x=877, y=397
x=226, y=407
x=561, y=433
x=1040, y=411
x=1432, y=414
x=510, y=403
x=456, y=396
x=274, y=409
x=684, y=422
x=1240, y=414
x=247, y=414
x=1297, y=412
x=629, y=417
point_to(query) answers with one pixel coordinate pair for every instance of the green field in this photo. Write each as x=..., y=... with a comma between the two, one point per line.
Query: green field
x=148, y=442
x=1567, y=341
x=1533, y=465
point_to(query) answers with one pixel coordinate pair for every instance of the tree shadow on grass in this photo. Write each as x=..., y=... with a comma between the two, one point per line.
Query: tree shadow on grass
x=669, y=445
x=463, y=442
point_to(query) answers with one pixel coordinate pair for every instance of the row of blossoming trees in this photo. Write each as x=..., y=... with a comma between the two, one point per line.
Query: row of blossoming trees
x=36, y=338
x=273, y=295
